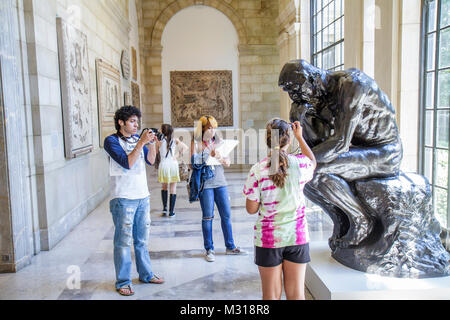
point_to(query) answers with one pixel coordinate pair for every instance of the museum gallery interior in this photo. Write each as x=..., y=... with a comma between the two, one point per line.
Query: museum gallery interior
x=378, y=222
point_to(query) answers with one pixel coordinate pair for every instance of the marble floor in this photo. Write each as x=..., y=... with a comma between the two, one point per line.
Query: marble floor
x=81, y=265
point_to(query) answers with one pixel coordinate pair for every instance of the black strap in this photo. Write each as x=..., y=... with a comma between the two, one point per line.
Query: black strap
x=169, y=149
x=121, y=136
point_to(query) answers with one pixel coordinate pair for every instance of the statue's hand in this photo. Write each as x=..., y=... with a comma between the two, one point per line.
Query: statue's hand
x=298, y=111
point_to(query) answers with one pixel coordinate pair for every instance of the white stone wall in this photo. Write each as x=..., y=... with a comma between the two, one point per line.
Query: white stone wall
x=64, y=191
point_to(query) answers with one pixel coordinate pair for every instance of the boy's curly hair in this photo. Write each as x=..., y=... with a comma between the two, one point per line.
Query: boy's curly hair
x=125, y=113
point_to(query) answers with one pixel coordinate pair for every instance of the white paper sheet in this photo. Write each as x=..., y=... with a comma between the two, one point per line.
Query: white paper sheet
x=224, y=149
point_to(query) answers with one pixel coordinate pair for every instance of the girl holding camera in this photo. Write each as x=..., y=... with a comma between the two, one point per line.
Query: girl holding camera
x=274, y=190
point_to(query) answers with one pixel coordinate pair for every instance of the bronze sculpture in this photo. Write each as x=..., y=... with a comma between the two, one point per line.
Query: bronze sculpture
x=350, y=124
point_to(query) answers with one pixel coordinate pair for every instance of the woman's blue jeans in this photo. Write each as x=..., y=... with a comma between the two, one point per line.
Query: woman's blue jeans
x=207, y=199
x=132, y=224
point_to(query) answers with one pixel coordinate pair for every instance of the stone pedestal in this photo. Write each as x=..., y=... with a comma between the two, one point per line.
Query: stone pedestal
x=327, y=279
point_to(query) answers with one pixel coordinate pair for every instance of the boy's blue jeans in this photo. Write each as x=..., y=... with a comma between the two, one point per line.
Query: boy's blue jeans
x=207, y=199
x=132, y=224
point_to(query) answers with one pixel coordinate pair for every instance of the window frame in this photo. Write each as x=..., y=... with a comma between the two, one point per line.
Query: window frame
x=424, y=71
x=313, y=32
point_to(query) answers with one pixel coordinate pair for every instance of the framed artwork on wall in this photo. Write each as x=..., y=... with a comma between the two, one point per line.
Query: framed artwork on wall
x=196, y=93
x=108, y=96
x=75, y=90
x=125, y=64
x=126, y=98
x=135, y=95
x=134, y=63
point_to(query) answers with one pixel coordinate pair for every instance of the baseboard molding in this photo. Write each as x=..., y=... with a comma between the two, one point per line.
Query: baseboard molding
x=53, y=235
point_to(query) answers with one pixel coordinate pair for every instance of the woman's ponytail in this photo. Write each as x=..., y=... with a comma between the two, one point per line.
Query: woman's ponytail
x=279, y=173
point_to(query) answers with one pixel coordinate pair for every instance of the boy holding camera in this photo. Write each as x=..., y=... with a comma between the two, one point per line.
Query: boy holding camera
x=130, y=204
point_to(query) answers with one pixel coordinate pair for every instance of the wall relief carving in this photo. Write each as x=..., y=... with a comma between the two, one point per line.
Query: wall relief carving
x=125, y=64
x=75, y=89
x=134, y=63
x=135, y=95
x=109, y=97
x=196, y=93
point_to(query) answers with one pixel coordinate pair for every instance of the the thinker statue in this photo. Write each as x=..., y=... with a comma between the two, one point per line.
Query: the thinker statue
x=350, y=124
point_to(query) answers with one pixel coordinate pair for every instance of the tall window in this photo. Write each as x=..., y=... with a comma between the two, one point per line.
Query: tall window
x=435, y=104
x=327, y=34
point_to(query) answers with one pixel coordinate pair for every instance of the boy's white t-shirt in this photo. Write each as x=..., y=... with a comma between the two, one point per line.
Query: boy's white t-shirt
x=128, y=183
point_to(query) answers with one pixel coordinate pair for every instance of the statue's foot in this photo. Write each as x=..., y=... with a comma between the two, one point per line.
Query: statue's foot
x=332, y=243
x=358, y=231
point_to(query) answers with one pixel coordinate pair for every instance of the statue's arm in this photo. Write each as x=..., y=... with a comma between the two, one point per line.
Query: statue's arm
x=348, y=116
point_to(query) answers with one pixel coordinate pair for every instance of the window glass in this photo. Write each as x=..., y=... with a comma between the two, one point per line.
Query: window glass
x=327, y=24
x=435, y=106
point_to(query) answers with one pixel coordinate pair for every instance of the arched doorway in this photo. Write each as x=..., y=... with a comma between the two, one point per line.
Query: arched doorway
x=199, y=38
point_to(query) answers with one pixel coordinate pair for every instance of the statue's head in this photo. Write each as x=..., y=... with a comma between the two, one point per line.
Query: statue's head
x=302, y=81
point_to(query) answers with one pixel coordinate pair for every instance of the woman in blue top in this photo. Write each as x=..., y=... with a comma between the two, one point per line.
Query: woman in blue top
x=215, y=189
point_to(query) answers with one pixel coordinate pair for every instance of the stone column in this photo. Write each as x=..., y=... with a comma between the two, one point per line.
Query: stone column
x=387, y=70
x=152, y=107
x=368, y=64
x=408, y=114
x=305, y=30
x=283, y=45
x=16, y=246
x=293, y=40
x=353, y=34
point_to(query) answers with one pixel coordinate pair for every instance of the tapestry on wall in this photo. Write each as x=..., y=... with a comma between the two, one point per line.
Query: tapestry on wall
x=135, y=95
x=196, y=93
x=75, y=90
x=109, y=97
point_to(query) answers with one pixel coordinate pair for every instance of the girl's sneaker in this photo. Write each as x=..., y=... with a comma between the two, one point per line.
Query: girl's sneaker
x=236, y=251
x=210, y=256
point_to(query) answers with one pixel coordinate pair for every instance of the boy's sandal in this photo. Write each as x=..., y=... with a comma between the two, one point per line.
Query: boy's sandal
x=123, y=291
x=156, y=279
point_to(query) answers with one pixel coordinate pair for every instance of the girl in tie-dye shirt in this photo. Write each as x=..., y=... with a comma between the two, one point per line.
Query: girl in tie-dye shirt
x=275, y=191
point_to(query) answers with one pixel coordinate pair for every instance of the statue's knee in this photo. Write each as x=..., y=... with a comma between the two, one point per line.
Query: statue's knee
x=324, y=178
x=314, y=182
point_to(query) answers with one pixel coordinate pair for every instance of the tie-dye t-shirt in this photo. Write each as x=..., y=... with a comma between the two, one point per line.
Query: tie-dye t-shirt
x=281, y=218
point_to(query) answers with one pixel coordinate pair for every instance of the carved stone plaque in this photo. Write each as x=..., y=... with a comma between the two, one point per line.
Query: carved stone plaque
x=135, y=95
x=109, y=97
x=197, y=93
x=126, y=98
x=134, y=63
x=75, y=89
x=125, y=63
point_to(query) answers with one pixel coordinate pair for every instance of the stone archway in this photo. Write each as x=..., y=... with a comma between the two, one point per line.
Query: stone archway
x=258, y=62
x=152, y=54
x=176, y=6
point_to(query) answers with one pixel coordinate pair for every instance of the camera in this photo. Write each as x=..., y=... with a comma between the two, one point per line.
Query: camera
x=159, y=135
